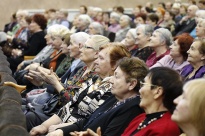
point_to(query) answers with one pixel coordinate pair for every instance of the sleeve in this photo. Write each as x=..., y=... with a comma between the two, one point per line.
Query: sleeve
x=34, y=44
x=160, y=63
x=78, y=126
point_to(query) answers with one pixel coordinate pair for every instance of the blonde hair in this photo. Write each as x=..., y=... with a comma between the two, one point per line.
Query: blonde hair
x=58, y=30
x=197, y=102
x=99, y=41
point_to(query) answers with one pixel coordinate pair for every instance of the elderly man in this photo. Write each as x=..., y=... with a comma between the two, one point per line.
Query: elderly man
x=187, y=23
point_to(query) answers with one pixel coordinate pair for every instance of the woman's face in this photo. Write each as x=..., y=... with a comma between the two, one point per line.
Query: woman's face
x=102, y=63
x=194, y=56
x=57, y=41
x=123, y=22
x=92, y=30
x=74, y=49
x=49, y=40
x=175, y=49
x=155, y=40
x=120, y=87
x=33, y=27
x=167, y=16
x=146, y=94
x=139, y=20
x=200, y=30
x=112, y=20
x=129, y=40
x=141, y=38
x=182, y=112
x=87, y=52
x=64, y=48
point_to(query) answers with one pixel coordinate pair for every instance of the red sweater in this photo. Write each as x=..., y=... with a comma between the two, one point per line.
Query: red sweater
x=161, y=127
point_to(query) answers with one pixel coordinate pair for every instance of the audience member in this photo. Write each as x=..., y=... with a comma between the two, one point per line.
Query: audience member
x=178, y=53
x=190, y=113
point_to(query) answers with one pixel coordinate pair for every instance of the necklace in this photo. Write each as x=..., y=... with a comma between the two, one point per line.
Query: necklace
x=149, y=119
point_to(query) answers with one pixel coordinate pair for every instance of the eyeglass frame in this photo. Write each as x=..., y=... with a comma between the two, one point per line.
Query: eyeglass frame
x=143, y=83
x=85, y=46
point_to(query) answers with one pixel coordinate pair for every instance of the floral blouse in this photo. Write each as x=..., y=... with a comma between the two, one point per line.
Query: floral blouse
x=86, y=101
x=74, y=85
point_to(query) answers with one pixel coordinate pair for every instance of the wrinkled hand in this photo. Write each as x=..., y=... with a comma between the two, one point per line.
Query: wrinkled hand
x=88, y=132
x=32, y=66
x=40, y=129
x=58, y=132
x=50, y=78
x=34, y=78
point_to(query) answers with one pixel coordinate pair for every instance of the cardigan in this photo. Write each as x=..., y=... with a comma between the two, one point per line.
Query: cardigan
x=161, y=127
x=112, y=121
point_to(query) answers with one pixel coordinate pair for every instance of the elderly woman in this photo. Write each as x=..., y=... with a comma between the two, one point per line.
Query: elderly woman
x=113, y=115
x=114, y=22
x=84, y=77
x=200, y=33
x=196, y=58
x=143, y=35
x=105, y=65
x=35, y=43
x=83, y=23
x=160, y=87
x=124, y=27
x=178, y=53
x=95, y=28
x=189, y=112
x=130, y=40
x=160, y=41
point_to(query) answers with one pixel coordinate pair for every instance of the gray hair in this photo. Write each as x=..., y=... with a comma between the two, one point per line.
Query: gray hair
x=126, y=17
x=98, y=27
x=116, y=16
x=133, y=32
x=201, y=13
x=165, y=35
x=80, y=37
x=148, y=29
x=85, y=18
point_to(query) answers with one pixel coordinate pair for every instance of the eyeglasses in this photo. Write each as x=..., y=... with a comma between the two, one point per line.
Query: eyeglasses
x=86, y=47
x=142, y=84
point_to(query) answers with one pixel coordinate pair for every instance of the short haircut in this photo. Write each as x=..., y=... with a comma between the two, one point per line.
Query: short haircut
x=98, y=27
x=134, y=68
x=165, y=35
x=153, y=17
x=171, y=83
x=184, y=41
x=80, y=37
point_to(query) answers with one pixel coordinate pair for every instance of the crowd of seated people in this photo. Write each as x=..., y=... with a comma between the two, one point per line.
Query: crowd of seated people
x=111, y=73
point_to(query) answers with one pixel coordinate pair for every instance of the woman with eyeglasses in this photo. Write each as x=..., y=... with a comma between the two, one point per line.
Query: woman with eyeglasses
x=88, y=100
x=160, y=87
x=85, y=78
x=120, y=108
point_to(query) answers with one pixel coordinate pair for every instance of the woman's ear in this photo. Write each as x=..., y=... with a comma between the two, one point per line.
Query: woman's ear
x=158, y=92
x=133, y=83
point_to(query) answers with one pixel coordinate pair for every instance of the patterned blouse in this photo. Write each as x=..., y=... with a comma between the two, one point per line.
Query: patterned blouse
x=86, y=102
x=74, y=85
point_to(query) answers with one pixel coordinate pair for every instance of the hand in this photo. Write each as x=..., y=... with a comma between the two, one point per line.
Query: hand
x=34, y=78
x=50, y=78
x=89, y=132
x=58, y=132
x=40, y=129
x=32, y=66
x=16, y=52
x=54, y=127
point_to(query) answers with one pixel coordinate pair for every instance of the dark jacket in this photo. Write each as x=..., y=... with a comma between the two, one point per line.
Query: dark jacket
x=112, y=121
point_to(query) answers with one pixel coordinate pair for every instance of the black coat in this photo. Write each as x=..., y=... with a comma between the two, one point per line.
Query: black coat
x=112, y=122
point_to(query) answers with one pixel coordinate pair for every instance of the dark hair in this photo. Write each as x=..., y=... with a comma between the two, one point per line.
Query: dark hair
x=171, y=13
x=202, y=2
x=85, y=8
x=40, y=20
x=134, y=68
x=170, y=81
x=184, y=41
x=153, y=17
x=142, y=15
x=120, y=9
x=163, y=4
x=28, y=19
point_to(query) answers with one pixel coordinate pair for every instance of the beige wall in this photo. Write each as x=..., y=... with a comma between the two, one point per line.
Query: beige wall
x=10, y=6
